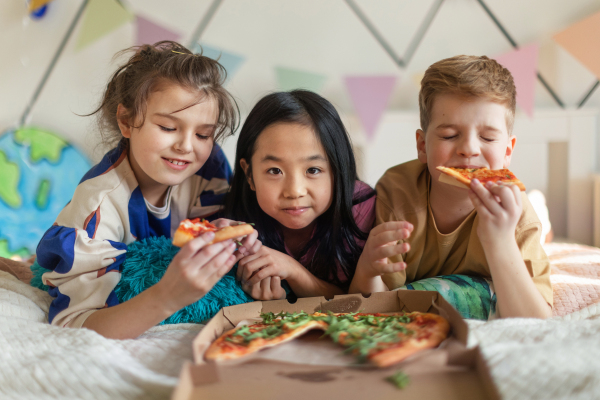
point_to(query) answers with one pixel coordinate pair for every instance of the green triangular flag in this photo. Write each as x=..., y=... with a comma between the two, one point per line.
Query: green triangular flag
x=289, y=79
x=101, y=17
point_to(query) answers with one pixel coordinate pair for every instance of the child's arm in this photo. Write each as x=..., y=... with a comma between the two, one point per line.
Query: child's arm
x=191, y=274
x=381, y=244
x=499, y=209
x=268, y=263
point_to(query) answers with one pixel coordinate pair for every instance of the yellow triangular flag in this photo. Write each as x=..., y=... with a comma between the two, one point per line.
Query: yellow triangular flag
x=35, y=4
x=101, y=17
x=582, y=40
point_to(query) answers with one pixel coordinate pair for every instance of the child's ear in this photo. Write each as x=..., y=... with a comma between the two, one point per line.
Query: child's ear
x=421, y=148
x=245, y=166
x=510, y=147
x=123, y=121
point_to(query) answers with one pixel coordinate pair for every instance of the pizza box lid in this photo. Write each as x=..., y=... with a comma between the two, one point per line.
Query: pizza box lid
x=451, y=372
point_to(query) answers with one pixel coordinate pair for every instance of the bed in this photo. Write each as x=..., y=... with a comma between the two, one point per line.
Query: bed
x=528, y=358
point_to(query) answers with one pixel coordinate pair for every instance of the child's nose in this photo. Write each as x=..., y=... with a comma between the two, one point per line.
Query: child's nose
x=294, y=187
x=468, y=147
x=184, y=143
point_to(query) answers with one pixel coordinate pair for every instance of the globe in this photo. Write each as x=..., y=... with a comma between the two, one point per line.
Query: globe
x=39, y=172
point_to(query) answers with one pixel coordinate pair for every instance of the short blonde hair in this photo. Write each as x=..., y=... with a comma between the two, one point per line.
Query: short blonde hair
x=469, y=76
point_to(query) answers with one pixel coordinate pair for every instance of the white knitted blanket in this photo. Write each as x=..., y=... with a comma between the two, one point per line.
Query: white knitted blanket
x=557, y=358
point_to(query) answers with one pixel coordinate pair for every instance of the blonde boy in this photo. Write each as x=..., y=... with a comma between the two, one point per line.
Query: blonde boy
x=427, y=228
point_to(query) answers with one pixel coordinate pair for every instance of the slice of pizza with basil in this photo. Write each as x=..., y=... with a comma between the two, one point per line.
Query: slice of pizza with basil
x=483, y=175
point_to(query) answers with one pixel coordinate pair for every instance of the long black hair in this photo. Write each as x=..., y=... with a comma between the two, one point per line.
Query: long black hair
x=336, y=230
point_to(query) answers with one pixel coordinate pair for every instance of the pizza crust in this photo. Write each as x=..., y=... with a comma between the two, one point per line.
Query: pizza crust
x=182, y=236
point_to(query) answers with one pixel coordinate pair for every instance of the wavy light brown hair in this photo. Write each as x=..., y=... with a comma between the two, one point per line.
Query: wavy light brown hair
x=153, y=65
x=468, y=76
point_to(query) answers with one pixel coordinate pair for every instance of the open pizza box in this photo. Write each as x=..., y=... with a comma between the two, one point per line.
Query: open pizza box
x=312, y=367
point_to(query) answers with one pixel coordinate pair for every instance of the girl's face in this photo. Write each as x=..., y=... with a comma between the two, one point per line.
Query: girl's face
x=174, y=141
x=291, y=175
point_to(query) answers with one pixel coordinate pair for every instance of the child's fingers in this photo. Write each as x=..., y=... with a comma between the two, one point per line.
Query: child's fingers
x=390, y=251
x=250, y=267
x=249, y=240
x=386, y=268
x=265, y=288
x=276, y=289
x=481, y=209
x=209, y=252
x=507, y=197
x=268, y=271
x=392, y=226
x=195, y=245
x=486, y=197
x=211, y=260
x=386, y=237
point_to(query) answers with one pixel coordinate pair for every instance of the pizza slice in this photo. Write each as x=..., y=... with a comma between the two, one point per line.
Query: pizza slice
x=192, y=228
x=387, y=339
x=274, y=329
x=465, y=175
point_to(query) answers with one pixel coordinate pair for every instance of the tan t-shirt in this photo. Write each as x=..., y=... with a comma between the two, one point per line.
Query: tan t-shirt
x=403, y=195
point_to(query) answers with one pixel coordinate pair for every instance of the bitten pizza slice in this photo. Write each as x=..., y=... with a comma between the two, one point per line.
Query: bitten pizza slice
x=483, y=175
x=192, y=228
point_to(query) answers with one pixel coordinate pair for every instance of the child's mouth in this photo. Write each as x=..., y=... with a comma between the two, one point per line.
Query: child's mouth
x=176, y=164
x=295, y=210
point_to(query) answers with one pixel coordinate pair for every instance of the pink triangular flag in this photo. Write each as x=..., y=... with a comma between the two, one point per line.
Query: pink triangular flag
x=149, y=32
x=522, y=64
x=370, y=96
x=582, y=40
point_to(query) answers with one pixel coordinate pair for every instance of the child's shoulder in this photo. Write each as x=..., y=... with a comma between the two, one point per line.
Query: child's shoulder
x=404, y=185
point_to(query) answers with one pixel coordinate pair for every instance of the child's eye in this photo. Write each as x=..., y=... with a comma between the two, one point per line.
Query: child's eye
x=449, y=137
x=487, y=139
x=313, y=171
x=274, y=171
x=203, y=137
x=164, y=128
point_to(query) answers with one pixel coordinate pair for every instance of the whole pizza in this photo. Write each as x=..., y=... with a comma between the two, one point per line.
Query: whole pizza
x=382, y=339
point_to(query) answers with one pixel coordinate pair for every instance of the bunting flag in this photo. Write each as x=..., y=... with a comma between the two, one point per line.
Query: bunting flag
x=582, y=41
x=230, y=61
x=522, y=64
x=101, y=18
x=370, y=96
x=290, y=79
x=35, y=4
x=149, y=32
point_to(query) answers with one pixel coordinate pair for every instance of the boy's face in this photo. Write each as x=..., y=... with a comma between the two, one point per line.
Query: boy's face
x=465, y=132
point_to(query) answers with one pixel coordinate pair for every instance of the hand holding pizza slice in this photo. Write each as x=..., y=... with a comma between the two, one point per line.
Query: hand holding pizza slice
x=484, y=175
x=192, y=228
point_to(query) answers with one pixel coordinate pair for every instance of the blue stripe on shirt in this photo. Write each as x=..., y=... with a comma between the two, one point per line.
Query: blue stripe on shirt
x=107, y=161
x=61, y=302
x=56, y=250
x=138, y=215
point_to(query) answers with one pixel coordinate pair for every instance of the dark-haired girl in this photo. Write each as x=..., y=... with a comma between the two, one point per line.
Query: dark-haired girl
x=295, y=178
x=164, y=108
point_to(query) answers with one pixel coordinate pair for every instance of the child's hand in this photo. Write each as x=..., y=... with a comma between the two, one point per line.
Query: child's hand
x=499, y=208
x=266, y=263
x=249, y=244
x=267, y=289
x=195, y=270
x=381, y=244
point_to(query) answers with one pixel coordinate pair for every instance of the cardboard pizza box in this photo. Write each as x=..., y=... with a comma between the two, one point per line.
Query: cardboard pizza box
x=451, y=371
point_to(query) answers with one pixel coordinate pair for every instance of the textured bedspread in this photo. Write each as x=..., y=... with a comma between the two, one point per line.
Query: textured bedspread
x=529, y=359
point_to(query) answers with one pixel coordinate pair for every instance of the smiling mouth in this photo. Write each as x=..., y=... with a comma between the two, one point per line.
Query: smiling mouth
x=176, y=162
